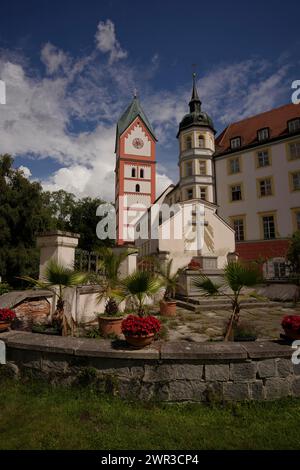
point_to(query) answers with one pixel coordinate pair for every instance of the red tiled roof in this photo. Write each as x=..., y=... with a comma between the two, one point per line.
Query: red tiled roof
x=275, y=119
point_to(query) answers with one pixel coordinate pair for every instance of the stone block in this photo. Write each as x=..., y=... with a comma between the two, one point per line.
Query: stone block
x=296, y=369
x=276, y=388
x=217, y=372
x=284, y=367
x=295, y=386
x=266, y=368
x=204, y=351
x=266, y=349
x=186, y=391
x=236, y=391
x=242, y=371
x=167, y=372
x=257, y=391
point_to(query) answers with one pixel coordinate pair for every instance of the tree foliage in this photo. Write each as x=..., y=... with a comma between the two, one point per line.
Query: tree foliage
x=26, y=210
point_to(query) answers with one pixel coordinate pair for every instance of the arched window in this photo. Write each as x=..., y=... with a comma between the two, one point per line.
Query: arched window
x=137, y=188
x=133, y=172
x=201, y=142
x=188, y=142
x=141, y=173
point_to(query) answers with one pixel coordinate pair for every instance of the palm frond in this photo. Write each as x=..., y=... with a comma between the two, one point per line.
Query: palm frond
x=204, y=283
x=239, y=275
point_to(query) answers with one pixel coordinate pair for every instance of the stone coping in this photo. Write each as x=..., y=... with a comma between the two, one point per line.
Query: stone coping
x=60, y=233
x=159, y=351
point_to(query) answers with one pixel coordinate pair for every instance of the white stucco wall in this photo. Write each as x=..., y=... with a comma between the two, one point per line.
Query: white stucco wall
x=137, y=132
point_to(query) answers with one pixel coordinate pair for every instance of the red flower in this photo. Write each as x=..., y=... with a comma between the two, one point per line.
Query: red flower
x=7, y=315
x=291, y=322
x=140, y=326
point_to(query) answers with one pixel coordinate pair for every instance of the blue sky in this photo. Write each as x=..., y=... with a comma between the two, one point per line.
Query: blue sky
x=70, y=68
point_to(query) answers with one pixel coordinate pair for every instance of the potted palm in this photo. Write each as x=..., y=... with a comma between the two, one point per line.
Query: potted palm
x=168, y=304
x=56, y=279
x=140, y=329
x=236, y=276
x=109, y=264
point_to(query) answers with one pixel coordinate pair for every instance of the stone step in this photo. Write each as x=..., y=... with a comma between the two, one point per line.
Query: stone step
x=224, y=306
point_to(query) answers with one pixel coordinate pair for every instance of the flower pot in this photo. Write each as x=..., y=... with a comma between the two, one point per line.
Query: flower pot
x=4, y=325
x=110, y=325
x=139, y=342
x=291, y=334
x=167, y=308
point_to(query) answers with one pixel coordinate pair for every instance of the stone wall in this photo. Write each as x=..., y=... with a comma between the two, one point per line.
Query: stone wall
x=166, y=371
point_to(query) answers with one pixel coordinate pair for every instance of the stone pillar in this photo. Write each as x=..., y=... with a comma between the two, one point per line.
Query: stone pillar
x=59, y=246
x=129, y=265
x=233, y=256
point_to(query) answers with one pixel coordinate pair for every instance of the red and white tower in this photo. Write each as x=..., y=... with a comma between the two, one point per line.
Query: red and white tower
x=135, y=169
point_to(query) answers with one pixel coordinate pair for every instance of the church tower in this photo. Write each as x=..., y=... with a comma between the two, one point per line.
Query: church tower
x=196, y=148
x=135, y=169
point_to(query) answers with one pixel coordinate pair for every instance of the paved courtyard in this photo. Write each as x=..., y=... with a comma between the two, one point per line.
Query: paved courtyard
x=209, y=325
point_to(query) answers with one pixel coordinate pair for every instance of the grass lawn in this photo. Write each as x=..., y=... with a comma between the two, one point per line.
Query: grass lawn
x=37, y=416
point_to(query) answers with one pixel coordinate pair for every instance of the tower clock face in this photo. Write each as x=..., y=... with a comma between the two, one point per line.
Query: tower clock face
x=138, y=143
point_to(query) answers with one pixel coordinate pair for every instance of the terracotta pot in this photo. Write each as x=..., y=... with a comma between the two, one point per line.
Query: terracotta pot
x=139, y=342
x=168, y=309
x=110, y=325
x=291, y=334
x=4, y=325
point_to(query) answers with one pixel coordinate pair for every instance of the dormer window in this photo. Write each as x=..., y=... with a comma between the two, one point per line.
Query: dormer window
x=235, y=142
x=263, y=134
x=294, y=125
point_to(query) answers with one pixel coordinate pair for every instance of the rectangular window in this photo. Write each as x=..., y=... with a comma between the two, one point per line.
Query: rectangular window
x=296, y=181
x=202, y=167
x=263, y=134
x=236, y=192
x=189, y=193
x=189, y=169
x=268, y=227
x=235, y=143
x=263, y=158
x=295, y=151
x=265, y=187
x=234, y=165
x=203, y=193
x=294, y=125
x=238, y=225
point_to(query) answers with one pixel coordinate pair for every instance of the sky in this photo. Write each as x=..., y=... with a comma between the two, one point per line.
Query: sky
x=70, y=68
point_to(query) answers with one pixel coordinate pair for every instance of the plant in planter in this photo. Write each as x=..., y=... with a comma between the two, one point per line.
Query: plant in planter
x=168, y=304
x=291, y=326
x=236, y=276
x=140, y=331
x=56, y=279
x=138, y=287
x=170, y=280
x=110, y=321
x=6, y=317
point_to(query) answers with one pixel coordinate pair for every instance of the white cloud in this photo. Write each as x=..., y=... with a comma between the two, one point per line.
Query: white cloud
x=25, y=170
x=54, y=59
x=70, y=113
x=107, y=42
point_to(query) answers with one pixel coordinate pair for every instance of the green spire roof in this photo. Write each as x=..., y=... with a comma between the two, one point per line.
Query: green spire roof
x=133, y=110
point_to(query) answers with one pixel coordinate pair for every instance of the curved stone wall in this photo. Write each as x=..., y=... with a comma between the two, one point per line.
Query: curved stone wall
x=168, y=371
